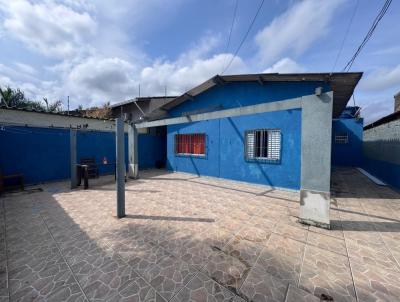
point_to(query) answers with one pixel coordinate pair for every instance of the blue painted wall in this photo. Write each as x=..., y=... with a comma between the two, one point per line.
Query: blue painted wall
x=225, y=137
x=348, y=154
x=43, y=154
x=40, y=154
x=385, y=171
x=225, y=147
x=152, y=149
x=231, y=95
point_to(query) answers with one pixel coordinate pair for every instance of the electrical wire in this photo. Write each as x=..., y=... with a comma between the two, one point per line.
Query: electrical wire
x=345, y=35
x=368, y=36
x=230, y=31
x=245, y=37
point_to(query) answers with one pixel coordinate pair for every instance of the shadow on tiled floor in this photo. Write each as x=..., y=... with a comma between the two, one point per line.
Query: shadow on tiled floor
x=190, y=238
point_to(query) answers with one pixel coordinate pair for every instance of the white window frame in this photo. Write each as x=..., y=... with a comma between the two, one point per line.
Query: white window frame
x=269, y=145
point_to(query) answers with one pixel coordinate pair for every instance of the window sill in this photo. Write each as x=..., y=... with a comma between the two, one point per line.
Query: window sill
x=190, y=155
x=263, y=161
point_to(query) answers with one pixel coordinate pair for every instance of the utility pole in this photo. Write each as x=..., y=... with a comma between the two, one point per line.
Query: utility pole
x=68, y=105
x=120, y=166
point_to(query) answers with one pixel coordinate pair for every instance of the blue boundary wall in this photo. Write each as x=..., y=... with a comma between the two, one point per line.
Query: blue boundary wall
x=225, y=137
x=349, y=154
x=385, y=171
x=381, y=149
x=43, y=154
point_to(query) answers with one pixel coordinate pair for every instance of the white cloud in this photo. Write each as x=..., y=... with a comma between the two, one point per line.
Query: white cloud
x=50, y=28
x=285, y=65
x=16, y=74
x=95, y=57
x=98, y=80
x=382, y=79
x=179, y=77
x=295, y=30
x=201, y=49
x=25, y=68
x=33, y=89
x=376, y=108
x=395, y=50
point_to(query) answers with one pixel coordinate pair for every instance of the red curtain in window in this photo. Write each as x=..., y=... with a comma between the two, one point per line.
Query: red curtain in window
x=186, y=144
x=198, y=143
x=190, y=144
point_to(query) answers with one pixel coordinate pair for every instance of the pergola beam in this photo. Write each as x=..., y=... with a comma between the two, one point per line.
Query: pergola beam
x=72, y=142
x=316, y=139
x=245, y=110
x=133, y=152
x=120, y=159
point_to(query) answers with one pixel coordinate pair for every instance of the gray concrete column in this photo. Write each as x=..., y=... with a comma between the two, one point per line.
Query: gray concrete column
x=316, y=141
x=72, y=143
x=133, y=151
x=120, y=162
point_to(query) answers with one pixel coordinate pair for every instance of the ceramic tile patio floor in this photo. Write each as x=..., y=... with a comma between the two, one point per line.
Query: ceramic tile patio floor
x=189, y=238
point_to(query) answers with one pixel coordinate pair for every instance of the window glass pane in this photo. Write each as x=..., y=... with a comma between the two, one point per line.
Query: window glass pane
x=274, y=144
x=257, y=144
x=263, y=144
x=250, y=144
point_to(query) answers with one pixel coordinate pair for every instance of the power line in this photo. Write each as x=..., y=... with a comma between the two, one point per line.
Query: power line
x=245, y=36
x=230, y=31
x=345, y=35
x=378, y=18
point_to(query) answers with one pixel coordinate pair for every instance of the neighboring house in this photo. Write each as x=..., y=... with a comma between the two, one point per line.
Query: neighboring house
x=274, y=129
x=382, y=146
x=141, y=108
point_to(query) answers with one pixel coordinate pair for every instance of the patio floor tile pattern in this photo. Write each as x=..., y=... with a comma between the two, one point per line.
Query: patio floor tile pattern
x=189, y=238
x=326, y=242
x=327, y=273
x=202, y=288
x=282, y=258
x=295, y=294
x=261, y=286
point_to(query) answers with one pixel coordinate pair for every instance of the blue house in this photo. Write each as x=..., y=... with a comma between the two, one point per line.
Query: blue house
x=270, y=129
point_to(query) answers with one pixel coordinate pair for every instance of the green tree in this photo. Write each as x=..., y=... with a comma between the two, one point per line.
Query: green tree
x=56, y=106
x=16, y=98
x=11, y=98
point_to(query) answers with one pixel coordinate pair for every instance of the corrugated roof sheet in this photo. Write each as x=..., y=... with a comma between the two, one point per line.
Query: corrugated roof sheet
x=53, y=113
x=130, y=101
x=384, y=120
x=342, y=84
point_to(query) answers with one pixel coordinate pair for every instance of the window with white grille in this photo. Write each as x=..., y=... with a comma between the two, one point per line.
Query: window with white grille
x=263, y=145
x=342, y=138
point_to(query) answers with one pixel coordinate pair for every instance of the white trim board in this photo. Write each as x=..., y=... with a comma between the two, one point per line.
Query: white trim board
x=372, y=178
x=246, y=110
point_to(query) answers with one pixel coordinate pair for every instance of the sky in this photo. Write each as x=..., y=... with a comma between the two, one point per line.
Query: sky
x=98, y=51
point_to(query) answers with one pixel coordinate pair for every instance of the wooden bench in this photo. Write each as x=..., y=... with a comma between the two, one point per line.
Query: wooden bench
x=92, y=167
x=82, y=171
